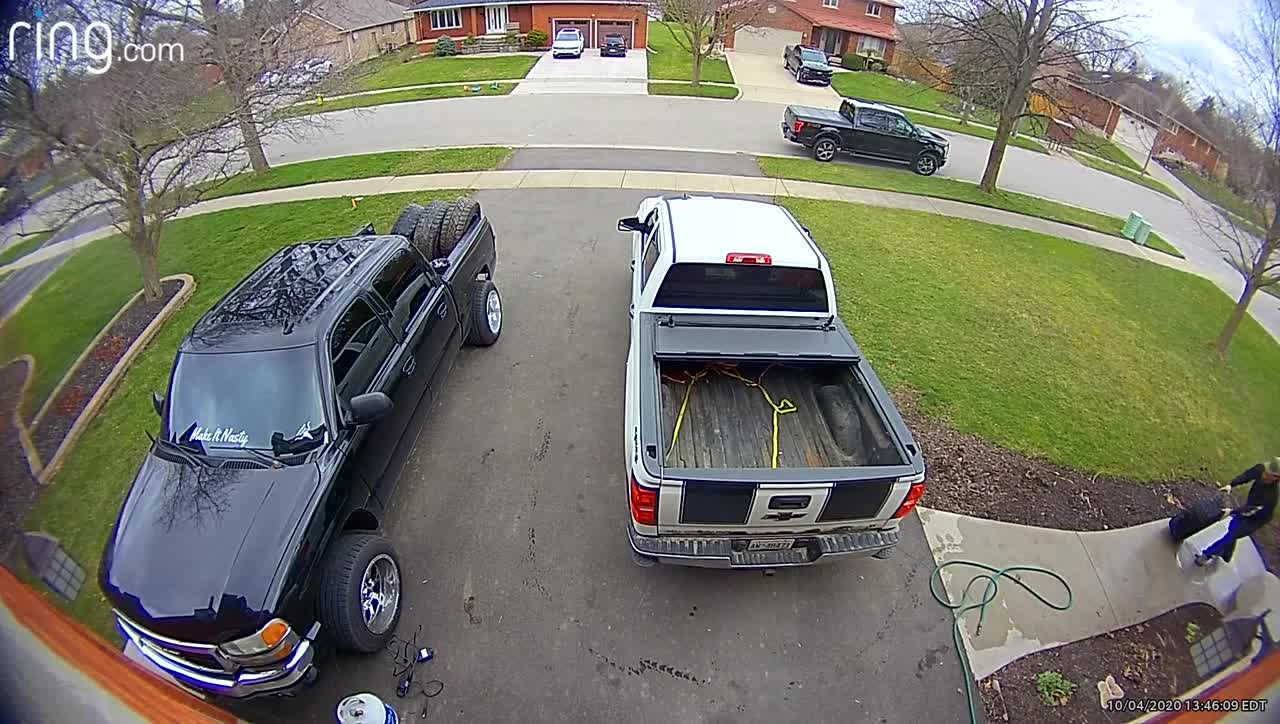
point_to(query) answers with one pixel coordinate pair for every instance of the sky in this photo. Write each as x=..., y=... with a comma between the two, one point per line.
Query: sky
x=1188, y=37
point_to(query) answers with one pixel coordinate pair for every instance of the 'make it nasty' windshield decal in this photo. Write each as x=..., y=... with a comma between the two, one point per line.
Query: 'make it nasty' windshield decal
x=220, y=436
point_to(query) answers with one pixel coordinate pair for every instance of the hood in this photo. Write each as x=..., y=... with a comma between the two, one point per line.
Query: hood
x=933, y=136
x=195, y=551
x=814, y=65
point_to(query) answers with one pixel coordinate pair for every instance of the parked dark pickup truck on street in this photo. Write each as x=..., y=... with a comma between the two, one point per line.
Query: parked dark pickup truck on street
x=250, y=534
x=808, y=65
x=865, y=129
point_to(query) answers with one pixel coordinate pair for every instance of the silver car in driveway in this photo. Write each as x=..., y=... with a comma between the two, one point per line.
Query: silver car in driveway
x=568, y=42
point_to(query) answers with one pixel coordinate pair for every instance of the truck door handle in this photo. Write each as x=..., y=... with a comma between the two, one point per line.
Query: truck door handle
x=632, y=311
x=442, y=310
x=409, y=366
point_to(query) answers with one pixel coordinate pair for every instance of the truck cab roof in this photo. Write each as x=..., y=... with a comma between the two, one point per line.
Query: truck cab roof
x=707, y=229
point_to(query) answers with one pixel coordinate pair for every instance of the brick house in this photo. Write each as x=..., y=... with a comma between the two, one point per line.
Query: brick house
x=836, y=27
x=460, y=18
x=344, y=31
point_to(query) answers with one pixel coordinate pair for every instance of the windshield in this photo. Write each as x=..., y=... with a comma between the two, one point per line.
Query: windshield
x=743, y=286
x=813, y=56
x=236, y=400
x=567, y=35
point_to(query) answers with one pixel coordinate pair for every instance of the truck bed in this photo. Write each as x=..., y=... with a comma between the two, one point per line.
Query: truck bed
x=729, y=424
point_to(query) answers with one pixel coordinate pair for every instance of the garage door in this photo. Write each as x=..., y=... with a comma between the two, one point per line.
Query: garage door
x=612, y=27
x=1135, y=133
x=765, y=41
x=583, y=25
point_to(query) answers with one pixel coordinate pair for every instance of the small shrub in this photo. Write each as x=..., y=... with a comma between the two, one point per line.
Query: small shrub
x=853, y=61
x=1054, y=688
x=1193, y=632
x=511, y=39
x=875, y=64
x=536, y=38
x=469, y=40
x=445, y=46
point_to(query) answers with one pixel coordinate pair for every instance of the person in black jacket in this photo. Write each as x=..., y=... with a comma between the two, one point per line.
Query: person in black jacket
x=1256, y=512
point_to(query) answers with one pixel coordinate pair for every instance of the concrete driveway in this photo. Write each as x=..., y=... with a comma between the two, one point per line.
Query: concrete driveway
x=588, y=74
x=510, y=522
x=762, y=78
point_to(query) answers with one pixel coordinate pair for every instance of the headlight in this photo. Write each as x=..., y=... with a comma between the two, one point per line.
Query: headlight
x=275, y=635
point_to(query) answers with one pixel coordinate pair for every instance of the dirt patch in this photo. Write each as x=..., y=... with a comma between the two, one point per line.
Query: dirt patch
x=1150, y=660
x=17, y=486
x=93, y=371
x=972, y=476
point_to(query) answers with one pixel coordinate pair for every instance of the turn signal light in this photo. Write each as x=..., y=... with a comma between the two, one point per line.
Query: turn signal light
x=274, y=633
x=909, y=503
x=644, y=504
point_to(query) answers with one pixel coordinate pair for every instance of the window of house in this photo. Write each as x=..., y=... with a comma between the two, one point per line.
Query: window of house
x=868, y=45
x=446, y=19
x=873, y=9
x=830, y=3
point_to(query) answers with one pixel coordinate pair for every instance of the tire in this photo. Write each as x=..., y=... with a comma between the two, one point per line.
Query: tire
x=824, y=149
x=926, y=164
x=461, y=214
x=842, y=419
x=408, y=220
x=426, y=235
x=348, y=563
x=484, y=331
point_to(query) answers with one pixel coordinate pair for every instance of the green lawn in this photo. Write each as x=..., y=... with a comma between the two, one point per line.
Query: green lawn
x=81, y=502
x=970, y=129
x=404, y=96
x=24, y=247
x=700, y=91
x=389, y=71
x=369, y=165
x=1104, y=148
x=1052, y=348
x=1224, y=197
x=891, y=179
x=902, y=93
x=1126, y=173
x=668, y=61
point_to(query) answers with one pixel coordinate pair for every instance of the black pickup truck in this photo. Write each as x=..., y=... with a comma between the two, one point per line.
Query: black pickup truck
x=808, y=65
x=250, y=537
x=865, y=129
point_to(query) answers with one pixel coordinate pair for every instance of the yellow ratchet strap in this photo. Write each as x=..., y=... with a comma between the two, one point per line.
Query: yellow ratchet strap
x=684, y=406
x=782, y=407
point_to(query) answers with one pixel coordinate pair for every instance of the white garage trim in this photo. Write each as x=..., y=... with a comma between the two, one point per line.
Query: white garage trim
x=631, y=42
x=587, y=41
x=765, y=41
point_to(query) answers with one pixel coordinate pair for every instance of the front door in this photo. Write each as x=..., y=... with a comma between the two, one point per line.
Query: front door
x=832, y=40
x=495, y=17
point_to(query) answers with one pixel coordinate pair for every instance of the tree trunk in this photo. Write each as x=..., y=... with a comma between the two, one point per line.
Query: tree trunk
x=698, y=53
x=991, y=173
x=143, y=239
x=252, y=141
x=964, y=113
x=1233, y=322
x=149, y=264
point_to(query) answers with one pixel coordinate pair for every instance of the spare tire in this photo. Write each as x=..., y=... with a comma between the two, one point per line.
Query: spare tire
x=462, y=213
x=426, y=235
x=407, y=221
x=841, y=417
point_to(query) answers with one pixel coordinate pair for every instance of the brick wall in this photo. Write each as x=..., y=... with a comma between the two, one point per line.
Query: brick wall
x=851, y=8
x=540, y=17
x=1193, y=147
x=782, y=19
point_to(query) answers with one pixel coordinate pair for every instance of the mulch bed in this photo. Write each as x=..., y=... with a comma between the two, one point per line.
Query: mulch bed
x=91, y=373
x=972, y=476
x=17, y=486
x=1149, y=660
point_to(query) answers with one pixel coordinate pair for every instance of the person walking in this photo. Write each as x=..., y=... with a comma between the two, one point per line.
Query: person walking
x=1256, y=512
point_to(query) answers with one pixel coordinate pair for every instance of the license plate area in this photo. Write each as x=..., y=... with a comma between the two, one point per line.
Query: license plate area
x=771, y=544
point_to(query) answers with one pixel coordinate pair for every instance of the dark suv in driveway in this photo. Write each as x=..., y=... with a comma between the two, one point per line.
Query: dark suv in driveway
x=865, y=129
x=251, y=533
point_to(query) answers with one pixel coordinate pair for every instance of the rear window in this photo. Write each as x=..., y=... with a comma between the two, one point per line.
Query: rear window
x=743, y=286
x=567, y=34
x=813, y=56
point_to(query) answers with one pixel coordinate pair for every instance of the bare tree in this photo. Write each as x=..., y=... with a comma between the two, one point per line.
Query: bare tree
x=1024, y=48
x=700, y=27
x=146, y=127
x=1257, y=108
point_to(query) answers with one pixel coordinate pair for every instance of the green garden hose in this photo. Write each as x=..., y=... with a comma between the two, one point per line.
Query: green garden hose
x=992, y=578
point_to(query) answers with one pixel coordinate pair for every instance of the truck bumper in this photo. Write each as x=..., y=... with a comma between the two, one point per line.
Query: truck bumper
x=788, y=134
x=731, y=552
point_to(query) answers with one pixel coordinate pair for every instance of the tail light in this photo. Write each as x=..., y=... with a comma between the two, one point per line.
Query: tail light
x=797, y=126
x=737, y=258
x=644, y=504
x=909, y=503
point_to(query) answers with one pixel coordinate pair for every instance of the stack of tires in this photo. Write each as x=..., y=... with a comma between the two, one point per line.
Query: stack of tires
x=436, y=229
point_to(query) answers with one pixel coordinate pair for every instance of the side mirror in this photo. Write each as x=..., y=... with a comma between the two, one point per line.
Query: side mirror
x=439, y=266
x=369, y=407
x=157, y=403
x=632, y=223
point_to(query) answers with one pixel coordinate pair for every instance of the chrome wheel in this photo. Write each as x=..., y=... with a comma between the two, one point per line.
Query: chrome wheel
x=925, y=165
x=825, y=150
x=493, y=311
x=380, y=593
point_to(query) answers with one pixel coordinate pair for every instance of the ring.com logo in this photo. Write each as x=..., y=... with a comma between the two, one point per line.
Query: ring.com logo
x=95, y=43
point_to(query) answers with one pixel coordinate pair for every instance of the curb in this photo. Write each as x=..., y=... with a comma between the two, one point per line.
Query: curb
x=117, y=373
x=34, y=465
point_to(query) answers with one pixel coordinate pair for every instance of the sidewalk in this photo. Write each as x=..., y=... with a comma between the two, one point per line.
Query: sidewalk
x=1118, y=578
x=650, y=180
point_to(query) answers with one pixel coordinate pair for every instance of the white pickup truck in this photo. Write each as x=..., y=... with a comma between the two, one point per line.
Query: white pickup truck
x=757, y=435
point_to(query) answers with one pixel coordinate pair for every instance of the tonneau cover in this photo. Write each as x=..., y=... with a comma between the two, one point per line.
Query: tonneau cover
x=755, y=343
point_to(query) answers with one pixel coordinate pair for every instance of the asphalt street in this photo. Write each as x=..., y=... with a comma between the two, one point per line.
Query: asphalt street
x=613, y=159
x=510, y=523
